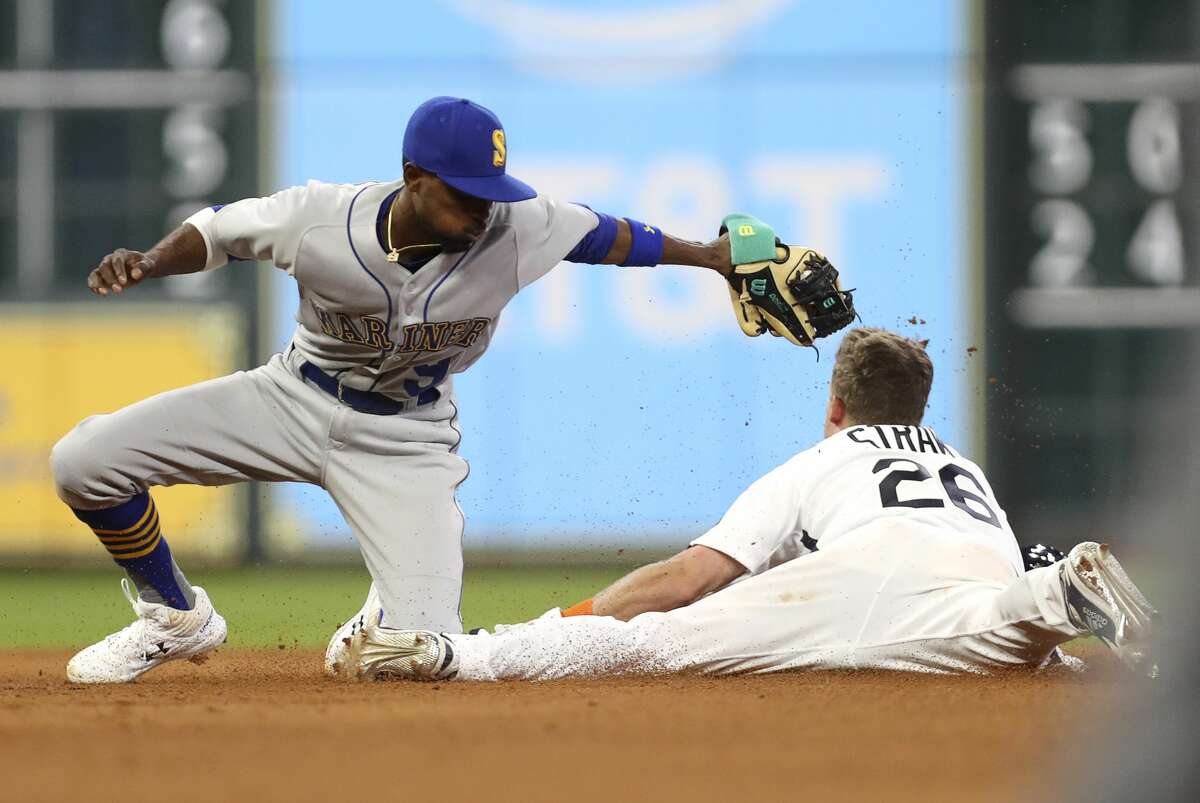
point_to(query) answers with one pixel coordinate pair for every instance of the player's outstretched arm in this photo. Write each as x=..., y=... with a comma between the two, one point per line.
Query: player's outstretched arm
x=788, y=290
x=752, y=529
x=181, y=251
x=672, y=583
x=712, y=255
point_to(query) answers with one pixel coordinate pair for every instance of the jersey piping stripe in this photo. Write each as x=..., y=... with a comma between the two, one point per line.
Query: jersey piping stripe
x=363, y=265
x=429, y=299
x=462, y=517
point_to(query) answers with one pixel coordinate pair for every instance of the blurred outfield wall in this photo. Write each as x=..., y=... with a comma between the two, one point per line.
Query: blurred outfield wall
x=622, y=406
x=117, y=120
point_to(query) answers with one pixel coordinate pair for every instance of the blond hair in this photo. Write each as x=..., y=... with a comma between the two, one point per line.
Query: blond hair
x=882, y=377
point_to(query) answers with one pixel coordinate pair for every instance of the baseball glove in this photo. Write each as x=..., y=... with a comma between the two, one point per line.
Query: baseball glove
x=1038, y=555
x=787, y=290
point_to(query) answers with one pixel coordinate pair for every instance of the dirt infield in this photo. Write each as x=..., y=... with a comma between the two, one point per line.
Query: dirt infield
x=265, y=725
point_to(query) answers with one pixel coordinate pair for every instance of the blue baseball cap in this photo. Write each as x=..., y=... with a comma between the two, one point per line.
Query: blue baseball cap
x=463, y=144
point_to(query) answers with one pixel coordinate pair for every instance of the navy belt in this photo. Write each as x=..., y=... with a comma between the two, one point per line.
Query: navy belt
x=364, y=401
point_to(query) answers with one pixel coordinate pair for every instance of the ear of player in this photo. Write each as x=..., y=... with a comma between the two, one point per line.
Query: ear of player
x=787, y=290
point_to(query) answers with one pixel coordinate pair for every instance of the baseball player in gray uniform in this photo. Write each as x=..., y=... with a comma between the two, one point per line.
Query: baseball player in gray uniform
x=401, y=287
x=880, y=547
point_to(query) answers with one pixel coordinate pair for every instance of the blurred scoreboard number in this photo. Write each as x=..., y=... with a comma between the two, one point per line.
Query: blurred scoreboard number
x=125, y=117
x=1108, y=204
x=196, y=39
x=1062, y=166
x=1091, y=238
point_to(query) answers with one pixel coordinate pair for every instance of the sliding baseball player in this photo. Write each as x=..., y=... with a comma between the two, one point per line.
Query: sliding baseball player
x=881, y=547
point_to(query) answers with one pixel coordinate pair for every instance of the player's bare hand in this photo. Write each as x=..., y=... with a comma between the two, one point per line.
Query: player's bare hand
x=119, y=270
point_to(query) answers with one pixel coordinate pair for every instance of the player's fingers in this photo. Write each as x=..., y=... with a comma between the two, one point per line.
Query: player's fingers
x=97, y=284
x=118, y=264
x=108, y=276
x=93, y=283
x=141, y=269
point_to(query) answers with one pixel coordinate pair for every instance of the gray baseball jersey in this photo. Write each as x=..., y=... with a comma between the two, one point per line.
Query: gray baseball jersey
x=374, y=323
x=377, y=327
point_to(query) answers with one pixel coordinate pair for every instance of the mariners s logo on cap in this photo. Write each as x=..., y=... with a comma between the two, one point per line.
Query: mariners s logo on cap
x=498, y=143
x=463, y=144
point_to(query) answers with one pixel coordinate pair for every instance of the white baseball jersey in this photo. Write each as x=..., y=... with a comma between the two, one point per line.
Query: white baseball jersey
x=857, y=477
x=879, y=548
x=375, y=324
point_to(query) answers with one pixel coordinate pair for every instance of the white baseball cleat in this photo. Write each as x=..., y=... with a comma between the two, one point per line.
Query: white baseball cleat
x=1102, y=600
x=380, y=653
x=339, y=645
x=159, y=634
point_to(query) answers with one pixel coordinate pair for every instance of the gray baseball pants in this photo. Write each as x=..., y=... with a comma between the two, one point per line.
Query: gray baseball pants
x=393, y=477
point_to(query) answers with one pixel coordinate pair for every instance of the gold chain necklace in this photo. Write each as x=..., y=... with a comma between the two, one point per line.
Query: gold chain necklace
x=393, y=251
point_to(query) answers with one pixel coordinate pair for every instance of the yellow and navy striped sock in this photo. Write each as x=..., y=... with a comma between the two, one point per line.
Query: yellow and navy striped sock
x=133, y=536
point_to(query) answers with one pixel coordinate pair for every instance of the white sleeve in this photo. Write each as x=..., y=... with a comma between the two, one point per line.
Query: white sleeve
x=759, y=521
x=547, y=230
x=255, y=228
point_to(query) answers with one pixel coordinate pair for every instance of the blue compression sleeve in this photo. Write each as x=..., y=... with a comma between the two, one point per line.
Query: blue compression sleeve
x=596, y=244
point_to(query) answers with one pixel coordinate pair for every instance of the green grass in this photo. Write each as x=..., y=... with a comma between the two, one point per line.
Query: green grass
x=267, y=607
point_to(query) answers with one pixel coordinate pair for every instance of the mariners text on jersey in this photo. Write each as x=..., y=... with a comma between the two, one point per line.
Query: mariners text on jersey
x=371, y=331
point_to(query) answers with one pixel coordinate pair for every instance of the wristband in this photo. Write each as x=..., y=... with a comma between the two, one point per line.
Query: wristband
x=647, y=247
x=579, y=609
